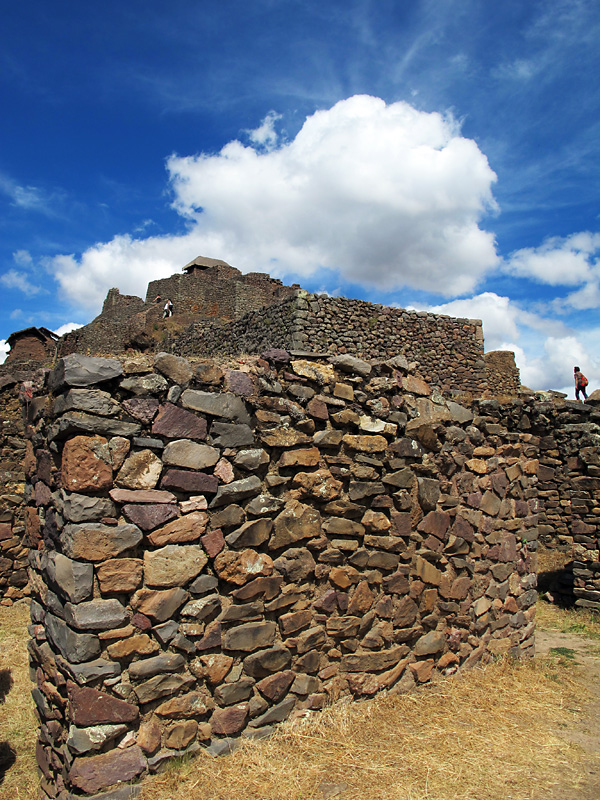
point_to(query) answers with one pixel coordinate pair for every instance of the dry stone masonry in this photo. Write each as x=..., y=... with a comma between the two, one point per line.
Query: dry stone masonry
x=223, y=547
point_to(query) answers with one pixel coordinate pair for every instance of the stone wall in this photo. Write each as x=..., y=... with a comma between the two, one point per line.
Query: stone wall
x=228, y=546
x=447, y=352
x=503, y=377
x=14, y=544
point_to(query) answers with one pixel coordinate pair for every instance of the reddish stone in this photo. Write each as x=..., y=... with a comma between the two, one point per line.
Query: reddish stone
x=177, y=423
x=141, y=622
x=268, y=587
x=148, y=517
x=148, y=736
x=187, y=528
x=211, y=638
x=213, y=542
x=86, y=464
x=241, y=567
x=435, y=523
x=98, y=772
x=274, y=687
x=362, y=599
x=90, y=707
x=317, y=409
x=463, y=530
x=229, y=721
x=422, y=670
x=142, y=496
x=181, y=734
x=141, y=408
x=6, y=530
x=182, y=480
x=118, y=575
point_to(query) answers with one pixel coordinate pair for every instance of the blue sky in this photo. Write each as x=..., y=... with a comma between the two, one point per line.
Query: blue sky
x=436, y=154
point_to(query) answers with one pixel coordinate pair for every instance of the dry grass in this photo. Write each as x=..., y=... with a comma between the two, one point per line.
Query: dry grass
x=486, y=735
x=17, y=721
x=490, y=734
x=582, y=621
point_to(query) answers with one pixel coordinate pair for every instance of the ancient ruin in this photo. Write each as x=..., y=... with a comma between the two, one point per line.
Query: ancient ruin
x=217, y=544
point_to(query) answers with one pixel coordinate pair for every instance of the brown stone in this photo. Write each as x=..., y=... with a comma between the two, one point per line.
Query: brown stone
x=297, y=521
x=422, y=670
x=139, y=645
x=215, y=667
x=376, y=521
x=120, y=575
x=173, y=565
x=240, y=567
x=267, y=587
x=295, y=621
x=427, y=572
x=86, y=464
x=305, y=457
x=150, y=516
x=89, y=707
x=373, y=662
x=141, y=470
x=362, y=599
x=406, y=612
x=213, y=542
x=251, y=534
x=249, y=637
x=284, y=437
x=181, y=734
x=142, y=496
x=274, y=687
x=192, y=704
x=92, y=541
x=319, y=485
x=94, y=773
x=343, y=577
x=229, y=721
x=159, y=605
x=365, y=444
x=149, y=735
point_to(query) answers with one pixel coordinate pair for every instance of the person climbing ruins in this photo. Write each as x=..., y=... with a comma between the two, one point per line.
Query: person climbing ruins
x=168, y=309
x=580, y=383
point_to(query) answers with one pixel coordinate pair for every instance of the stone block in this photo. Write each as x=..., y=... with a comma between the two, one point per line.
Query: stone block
x=173, y=565
x=94, y=542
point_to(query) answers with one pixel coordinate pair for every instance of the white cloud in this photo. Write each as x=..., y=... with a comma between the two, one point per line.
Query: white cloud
x=67, y=328
x=22, y=258
x=4, y=348
x=545, y=349
x=387, y=195
x=17, y=280
x=558, y=261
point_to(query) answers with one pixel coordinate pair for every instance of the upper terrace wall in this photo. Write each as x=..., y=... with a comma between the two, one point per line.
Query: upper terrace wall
x=448, y=352
x=220, y=292
x=224, y=547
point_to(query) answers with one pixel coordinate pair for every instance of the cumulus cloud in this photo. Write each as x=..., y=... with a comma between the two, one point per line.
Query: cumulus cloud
x=4, y=348
x=386, y=195
x=559, y=261
x=545, y=349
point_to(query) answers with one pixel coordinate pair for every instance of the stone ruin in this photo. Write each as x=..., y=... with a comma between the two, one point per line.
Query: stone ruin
x=217, y=544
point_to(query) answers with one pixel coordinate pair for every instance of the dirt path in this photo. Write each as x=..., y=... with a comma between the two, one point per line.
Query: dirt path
x=584, y=655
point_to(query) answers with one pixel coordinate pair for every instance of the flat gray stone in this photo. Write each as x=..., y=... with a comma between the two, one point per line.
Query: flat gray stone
x=74, y=579
x=96, y=615
x=80, y=422
x=145, y=384
x=252, y=459
x=78, y=370
x=148, y=667
x=228, y=694
x=231, y=434
x=237, y=490
x=189, y=454
x=75, y=647
x=83, y=508
x=94, y=401
x=351, y=364
x=224, y=404
x=83, y=740
x=162, y=686
x=90, y=670
x=249, y=637
x=275, y=714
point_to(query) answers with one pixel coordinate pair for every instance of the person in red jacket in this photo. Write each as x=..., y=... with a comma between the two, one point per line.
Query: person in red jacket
x=580, y=383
